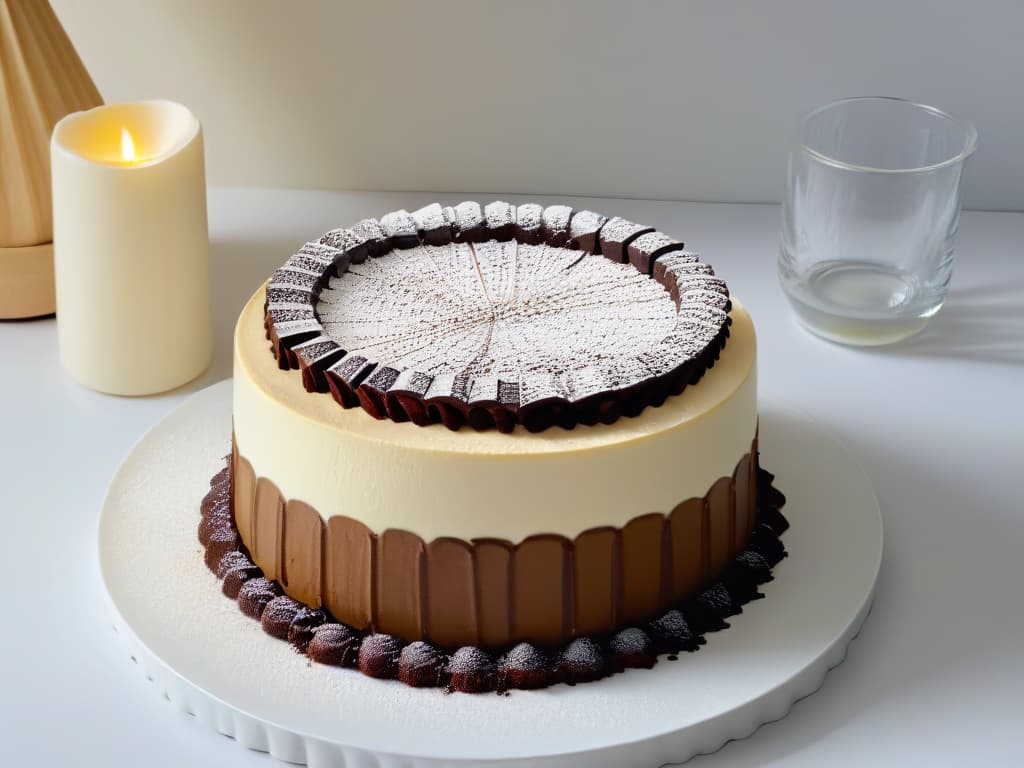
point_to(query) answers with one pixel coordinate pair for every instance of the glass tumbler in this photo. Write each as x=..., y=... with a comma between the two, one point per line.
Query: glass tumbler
x=870, y=217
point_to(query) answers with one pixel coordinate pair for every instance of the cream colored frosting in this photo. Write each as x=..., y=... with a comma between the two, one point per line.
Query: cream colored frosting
x=435, y=482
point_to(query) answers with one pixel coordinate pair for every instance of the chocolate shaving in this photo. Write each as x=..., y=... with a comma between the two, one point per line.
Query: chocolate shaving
x=432, y=226
x=401, y=229
x=528, y=223
x=584, y=228
x=616, y=235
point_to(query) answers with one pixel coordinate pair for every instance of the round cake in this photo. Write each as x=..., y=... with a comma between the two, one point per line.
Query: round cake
x=489, y=431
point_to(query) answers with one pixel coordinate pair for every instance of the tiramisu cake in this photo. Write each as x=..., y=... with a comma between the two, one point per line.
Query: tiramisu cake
x=493, y=447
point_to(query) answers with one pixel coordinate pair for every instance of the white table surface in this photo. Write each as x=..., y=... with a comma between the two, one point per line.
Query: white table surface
x=936, y=677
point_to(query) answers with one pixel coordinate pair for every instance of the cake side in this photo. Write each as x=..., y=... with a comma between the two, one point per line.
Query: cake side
x=472, y=669
x=546, y=589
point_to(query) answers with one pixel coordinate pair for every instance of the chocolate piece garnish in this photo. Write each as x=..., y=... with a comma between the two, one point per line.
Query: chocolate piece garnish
x=583, y=661
x=310, y=263
x=283, y=314
x=378, y=656
x=645, y=250
x=314, y=357
x=526, y=667
x=372, y=393
x=471, y=670
x=432, y=226
x=334, y=644
x=345, y=375
x=631, y=647
x=421, y=665
x=372, y=233
x=583, y=231
x=469, y=223
x=671, y=633
x=450, y=217
x=277, y=616
x=554, y=228
x=255, y=594
x=286, y=295
x=499, y=220
x=305, y=623
x=322, y=252
x=348, y=242
x=400, y=227
x=616, y=235
x=528, y=222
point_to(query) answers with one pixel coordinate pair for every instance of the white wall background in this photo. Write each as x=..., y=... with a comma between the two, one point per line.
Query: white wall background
x=689, y=100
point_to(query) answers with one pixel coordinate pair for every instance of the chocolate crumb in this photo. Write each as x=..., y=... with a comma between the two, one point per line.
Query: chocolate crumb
x=421, y=665
x=631, y=647
x=305, y=623
x=334, y=644
x=671, y=633
x=526, y=667
x=277, y=616
x=378, y=656
x=471, y=670
x=255, y=594
x=583, y=661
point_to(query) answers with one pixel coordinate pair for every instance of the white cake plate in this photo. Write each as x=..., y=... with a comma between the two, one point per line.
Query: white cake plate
x=213, y=662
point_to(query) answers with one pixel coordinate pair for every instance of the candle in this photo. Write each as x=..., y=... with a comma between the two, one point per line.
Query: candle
x=131, y=247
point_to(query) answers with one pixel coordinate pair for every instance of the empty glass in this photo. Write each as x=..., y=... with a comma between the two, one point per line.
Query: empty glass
x=870, y=217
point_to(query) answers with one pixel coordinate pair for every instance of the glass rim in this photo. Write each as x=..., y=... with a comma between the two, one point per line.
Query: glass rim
x=970, y=132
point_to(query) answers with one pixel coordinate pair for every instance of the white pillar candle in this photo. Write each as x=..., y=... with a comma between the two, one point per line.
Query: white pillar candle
x=131, y=247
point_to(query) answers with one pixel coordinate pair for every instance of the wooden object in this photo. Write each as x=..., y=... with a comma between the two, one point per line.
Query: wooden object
x=41, y=80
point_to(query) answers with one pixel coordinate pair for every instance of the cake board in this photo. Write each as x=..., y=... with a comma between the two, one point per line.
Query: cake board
x=212, y=661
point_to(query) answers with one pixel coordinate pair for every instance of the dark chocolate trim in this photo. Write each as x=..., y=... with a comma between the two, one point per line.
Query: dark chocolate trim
x=291, y=319
x=524, y=666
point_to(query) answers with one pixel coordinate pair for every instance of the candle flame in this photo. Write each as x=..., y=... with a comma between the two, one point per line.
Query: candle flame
x=127, y=146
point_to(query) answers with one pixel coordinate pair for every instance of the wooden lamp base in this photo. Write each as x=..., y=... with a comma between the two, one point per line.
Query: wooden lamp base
x=26, y=282
x=41, y=80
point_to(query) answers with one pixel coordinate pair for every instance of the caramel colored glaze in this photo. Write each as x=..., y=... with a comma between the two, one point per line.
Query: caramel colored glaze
x=640, y=576
x=451, y=604
x=722, y=519
x=243, y=493
x=493, y=560
x=541, y=591
x=686, y=522
x=300, y=573
x=596, y=564
x=268, y=518
x=399, y=584
x=348, y=572
x=492, y=593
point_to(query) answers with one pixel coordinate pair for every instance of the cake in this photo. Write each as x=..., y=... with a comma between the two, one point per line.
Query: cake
x=493, y=447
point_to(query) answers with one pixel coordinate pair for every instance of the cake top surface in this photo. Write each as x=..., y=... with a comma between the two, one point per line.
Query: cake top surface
x=497, y=315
